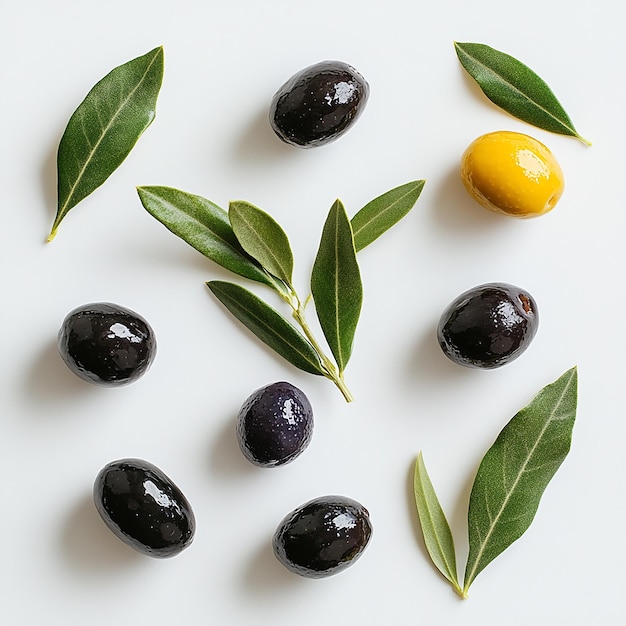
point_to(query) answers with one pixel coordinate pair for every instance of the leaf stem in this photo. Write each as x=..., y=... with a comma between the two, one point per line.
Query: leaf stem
x=330, y=369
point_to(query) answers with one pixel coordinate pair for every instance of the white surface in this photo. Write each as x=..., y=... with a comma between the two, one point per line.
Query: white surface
x=224, y=61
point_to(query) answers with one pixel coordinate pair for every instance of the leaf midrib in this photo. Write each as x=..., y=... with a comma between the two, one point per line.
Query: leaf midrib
x=105, y=130
x=470, y=577
x=340, y=355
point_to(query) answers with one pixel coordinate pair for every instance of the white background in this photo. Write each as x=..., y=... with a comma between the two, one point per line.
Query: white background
x=224, y=61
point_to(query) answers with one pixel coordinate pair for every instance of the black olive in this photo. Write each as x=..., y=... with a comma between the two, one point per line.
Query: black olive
x=274, y=425
x=488, y=326
x=318, y=104
x=323, y=536
x=106, y=344
x=144, y=508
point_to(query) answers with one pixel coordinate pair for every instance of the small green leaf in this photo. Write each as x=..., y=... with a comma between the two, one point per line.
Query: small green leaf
x=435, y=528
x=515, y=471
x=204, y=226
x=262, y=238
x=336, y=285
x=104, y=128
x=383, y=212
x=516, y=88
x=268, y=325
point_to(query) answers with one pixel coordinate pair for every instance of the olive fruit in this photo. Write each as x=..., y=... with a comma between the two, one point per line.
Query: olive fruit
x=144, y=508
x=106, y=344
x=323, y=536
x=318, y=104
x=274, y=425
x=488, y=326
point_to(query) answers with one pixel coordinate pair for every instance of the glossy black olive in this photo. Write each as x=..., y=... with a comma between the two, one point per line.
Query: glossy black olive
x=323, y=536
x=274, y=425
x=144, y=508
x=106, y=344
x=318, y=104
x=488, y=326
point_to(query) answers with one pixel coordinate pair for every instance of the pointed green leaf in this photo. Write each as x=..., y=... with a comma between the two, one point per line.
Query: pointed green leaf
x=105, y=127
x=435, y=528
x=516, y=88
x=204, y=226
x=515, y=471
x=383, y=212
x=262, y=238
x=268, y=325
x=336, y=285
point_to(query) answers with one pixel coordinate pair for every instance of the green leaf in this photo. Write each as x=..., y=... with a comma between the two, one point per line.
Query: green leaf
x=262, y=238
x=514, y=87
x=435, y=528
x=105, y=127
x=204, y=226
x=516, y=470
x=383, y=212
x=268, y=325
x=336, y=285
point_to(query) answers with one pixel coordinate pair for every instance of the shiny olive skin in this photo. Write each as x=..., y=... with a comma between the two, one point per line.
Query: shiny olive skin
x=488, y=326
x=323, y=537
x=318, y=104
x=106, y=344
x=144, y=508
x=274, y=425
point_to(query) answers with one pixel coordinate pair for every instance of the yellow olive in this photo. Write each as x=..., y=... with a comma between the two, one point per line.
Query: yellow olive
x=512, y=173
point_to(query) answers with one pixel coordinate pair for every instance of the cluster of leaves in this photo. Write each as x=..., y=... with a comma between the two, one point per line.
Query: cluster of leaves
x=250, y=243
x=508, y=486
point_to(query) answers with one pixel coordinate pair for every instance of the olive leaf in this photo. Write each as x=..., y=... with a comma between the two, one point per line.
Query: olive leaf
x=268, y=325
x=515, y=471
x=383, y=212
x=516, y=88
x=336, y=284
x=204, y=226
x=262, y=238
x=435, y=528
x=104, y=128
x=509, y=484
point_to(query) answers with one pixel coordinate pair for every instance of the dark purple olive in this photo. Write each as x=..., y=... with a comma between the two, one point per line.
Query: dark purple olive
x=318, y=104
x=144, y=508
x=488, y=326
x=323, y=536
x=106, y=344
x=274, y=425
